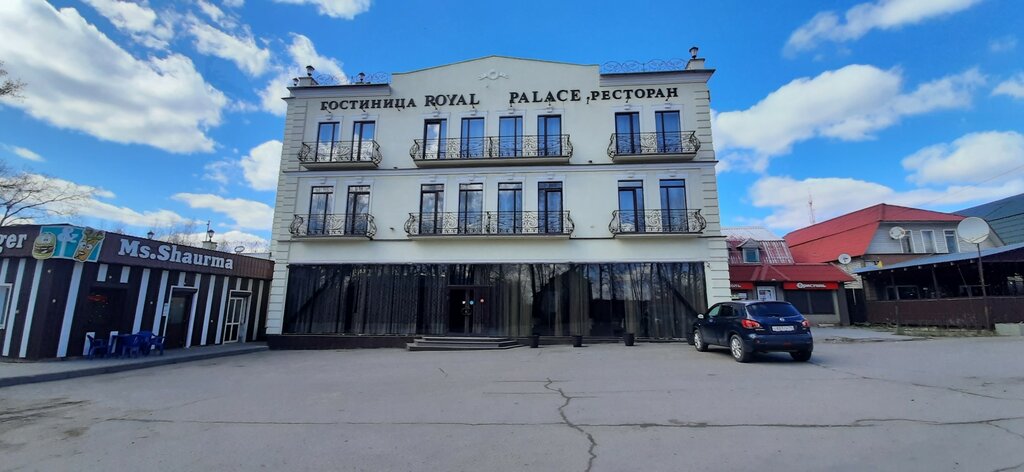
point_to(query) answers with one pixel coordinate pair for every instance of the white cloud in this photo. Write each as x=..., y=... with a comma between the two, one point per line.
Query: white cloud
x=864, y=17
x=1012, y=87
x=23, y=153
x=79, y=79
x=945, y=177
x=240, y=237
x=136, y=19
x=244, y=213
x=301, y=52
x=242, y=49
x=1003, y=44
x=262, y=165
x=958, y=162
x=226, y=241
x=849, y=104
x=346, y=9
x=218, y=171
x=787, y=198
x=211, y=10
x=234, y=3
x=99, y=208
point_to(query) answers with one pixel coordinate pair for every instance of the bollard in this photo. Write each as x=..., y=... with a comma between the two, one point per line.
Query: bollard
x=577, y=341
x=535, y=341
x=629, y=339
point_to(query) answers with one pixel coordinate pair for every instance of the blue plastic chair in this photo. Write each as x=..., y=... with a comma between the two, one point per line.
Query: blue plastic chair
x=97, y=346
x=150, y=341
x=157, y=342
x=130, y=345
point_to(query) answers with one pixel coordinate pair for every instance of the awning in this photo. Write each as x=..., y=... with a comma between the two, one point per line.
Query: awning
x=802, y=273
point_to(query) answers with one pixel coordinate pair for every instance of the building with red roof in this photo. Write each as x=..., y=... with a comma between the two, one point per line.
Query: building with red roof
x=762, y=267
x=878, y=236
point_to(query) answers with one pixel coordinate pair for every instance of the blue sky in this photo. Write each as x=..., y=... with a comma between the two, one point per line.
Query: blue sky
x=170, y=109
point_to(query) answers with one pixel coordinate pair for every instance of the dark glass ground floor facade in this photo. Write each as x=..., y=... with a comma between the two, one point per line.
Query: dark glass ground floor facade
x=657, y=300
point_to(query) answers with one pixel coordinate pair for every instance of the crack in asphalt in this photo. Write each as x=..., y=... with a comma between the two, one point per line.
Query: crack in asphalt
x=993, y=423
x=1012, y=467
x=915, y=384
x=568, y=422
x=861, y=423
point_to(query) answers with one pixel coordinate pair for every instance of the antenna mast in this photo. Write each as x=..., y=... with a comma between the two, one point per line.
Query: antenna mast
x=810, y=206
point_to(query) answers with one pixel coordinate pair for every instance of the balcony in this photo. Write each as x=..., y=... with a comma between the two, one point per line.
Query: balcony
x=491, y=151
x=333, y=226
x=656, y=222
x=490, y=224
x=333, y=155
x=653, y=147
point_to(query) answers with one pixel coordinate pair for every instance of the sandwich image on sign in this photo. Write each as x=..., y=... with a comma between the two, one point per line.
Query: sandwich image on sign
x=44, y=245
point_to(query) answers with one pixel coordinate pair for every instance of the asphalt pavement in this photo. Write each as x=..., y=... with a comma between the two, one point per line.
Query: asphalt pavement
x=939, y=404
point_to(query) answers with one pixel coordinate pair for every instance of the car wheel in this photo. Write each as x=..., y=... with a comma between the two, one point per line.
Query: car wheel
x=698, y=342
x=739, y=351
x=801, y=356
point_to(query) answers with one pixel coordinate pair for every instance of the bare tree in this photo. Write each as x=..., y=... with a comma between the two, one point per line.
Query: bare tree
x=8, y=86
x=248, y=246
x=182, y=234
x=26, y=197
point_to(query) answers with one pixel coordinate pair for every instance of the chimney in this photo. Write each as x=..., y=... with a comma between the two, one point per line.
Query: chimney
x=308, y=80
x=210, y=245
x=695, y=63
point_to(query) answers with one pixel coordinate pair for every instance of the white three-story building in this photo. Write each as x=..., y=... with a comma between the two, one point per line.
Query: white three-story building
x=499, y=196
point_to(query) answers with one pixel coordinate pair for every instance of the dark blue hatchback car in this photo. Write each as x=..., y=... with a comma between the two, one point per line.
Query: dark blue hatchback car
x=746, y=327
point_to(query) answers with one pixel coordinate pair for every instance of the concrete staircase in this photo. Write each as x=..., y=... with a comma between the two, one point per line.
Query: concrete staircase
x=460, y=343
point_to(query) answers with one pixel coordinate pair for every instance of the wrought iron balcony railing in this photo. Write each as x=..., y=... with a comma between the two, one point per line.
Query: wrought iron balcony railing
x=360, y=224
x=492, y=147
x=490, y=223
x=340, y=152
x=632, y=144
x=657, y=222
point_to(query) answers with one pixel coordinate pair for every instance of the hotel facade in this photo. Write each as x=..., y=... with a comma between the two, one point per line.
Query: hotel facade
x=499, y=197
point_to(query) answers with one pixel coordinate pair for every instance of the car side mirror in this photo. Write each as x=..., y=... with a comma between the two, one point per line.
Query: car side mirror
x=700, y=317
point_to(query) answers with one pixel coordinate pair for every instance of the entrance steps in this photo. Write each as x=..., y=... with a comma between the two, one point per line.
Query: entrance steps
x=460, y=343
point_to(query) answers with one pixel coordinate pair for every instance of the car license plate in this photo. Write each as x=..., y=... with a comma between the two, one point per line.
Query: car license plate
x=783, y=328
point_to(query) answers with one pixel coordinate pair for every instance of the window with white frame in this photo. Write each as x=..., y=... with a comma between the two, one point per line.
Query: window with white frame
x=928, y=241
x=952, y=244
x=907, y=242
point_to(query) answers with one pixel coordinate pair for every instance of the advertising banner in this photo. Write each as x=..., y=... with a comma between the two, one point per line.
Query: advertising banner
x=68, y=242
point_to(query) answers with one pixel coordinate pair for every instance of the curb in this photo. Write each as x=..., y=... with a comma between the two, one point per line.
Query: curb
x=844, y=340
x=70, y=374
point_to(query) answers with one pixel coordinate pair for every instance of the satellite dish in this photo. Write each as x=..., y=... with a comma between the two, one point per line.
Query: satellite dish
x=897, y=232
x=239, y=249
x=845, y=258
x=973, y=230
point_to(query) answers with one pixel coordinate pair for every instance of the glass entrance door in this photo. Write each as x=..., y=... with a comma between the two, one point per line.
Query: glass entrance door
x=176, y=327
x=549, y=207
x=472, y=140
x=234, y=318
x=356, y=210
x=471, y=208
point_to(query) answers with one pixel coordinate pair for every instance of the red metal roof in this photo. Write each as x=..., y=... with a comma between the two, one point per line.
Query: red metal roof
x=772, y=252
x=787, y=273
x=851, y=233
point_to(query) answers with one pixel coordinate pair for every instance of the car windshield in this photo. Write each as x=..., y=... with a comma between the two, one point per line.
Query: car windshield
x=772, y=309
